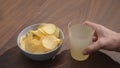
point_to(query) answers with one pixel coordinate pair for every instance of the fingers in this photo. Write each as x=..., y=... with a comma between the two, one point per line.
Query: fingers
x=92, y=48
x=92, y=25
x=96, y=45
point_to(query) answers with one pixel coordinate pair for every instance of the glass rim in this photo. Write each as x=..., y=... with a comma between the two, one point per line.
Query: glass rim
x=81, y=24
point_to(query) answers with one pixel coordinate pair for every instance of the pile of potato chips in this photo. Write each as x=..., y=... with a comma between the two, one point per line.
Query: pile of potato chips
x=45, y=38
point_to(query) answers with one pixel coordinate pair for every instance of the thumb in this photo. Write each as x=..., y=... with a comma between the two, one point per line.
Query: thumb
x=92, y=48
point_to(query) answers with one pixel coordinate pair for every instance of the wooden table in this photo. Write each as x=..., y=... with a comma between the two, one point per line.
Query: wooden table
x=17, y=14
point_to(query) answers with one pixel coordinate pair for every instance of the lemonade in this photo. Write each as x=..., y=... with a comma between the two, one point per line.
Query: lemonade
x=80, y=37
x=77, y=47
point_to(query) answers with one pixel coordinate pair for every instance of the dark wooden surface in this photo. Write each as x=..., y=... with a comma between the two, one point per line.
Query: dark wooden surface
x=17, y=14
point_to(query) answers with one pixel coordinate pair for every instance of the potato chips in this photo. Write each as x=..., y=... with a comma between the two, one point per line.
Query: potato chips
x=45, y=38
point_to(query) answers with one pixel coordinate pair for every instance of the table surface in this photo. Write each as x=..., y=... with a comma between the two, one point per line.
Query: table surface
x=15, y=15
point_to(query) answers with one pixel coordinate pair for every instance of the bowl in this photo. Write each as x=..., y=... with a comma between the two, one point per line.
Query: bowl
x=43, y=56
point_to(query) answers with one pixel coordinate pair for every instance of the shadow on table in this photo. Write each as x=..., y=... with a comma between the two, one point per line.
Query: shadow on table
x=14, y=59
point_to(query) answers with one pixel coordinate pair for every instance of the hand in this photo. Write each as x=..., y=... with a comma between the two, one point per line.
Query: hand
x=106, y=39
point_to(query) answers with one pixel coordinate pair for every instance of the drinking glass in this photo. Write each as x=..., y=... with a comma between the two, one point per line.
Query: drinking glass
x=80, y=36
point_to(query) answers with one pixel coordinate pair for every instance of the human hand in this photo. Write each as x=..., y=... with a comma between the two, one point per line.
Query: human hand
x=106, y=39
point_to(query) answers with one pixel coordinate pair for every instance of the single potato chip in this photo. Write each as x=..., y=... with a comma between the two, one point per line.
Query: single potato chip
x=41, y=25
x=37, y=33
x=42, y=31
x=28, y=42
x=28, y=46
x=50, y=42
x=49, y=28
x=57, y=33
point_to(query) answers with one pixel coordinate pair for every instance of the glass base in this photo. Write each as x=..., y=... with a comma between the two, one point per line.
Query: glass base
x=79, y=57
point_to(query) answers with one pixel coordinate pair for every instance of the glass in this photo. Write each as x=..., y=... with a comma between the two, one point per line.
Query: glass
x=80, y=36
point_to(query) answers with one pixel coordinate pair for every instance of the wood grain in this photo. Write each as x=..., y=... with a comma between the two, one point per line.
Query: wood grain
x=17, y=14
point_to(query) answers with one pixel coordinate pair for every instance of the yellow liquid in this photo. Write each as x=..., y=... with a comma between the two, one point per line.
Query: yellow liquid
x=77, y=55
x=77, y=46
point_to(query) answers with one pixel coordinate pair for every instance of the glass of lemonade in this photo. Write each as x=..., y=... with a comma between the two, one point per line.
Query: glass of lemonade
x=80, y=36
